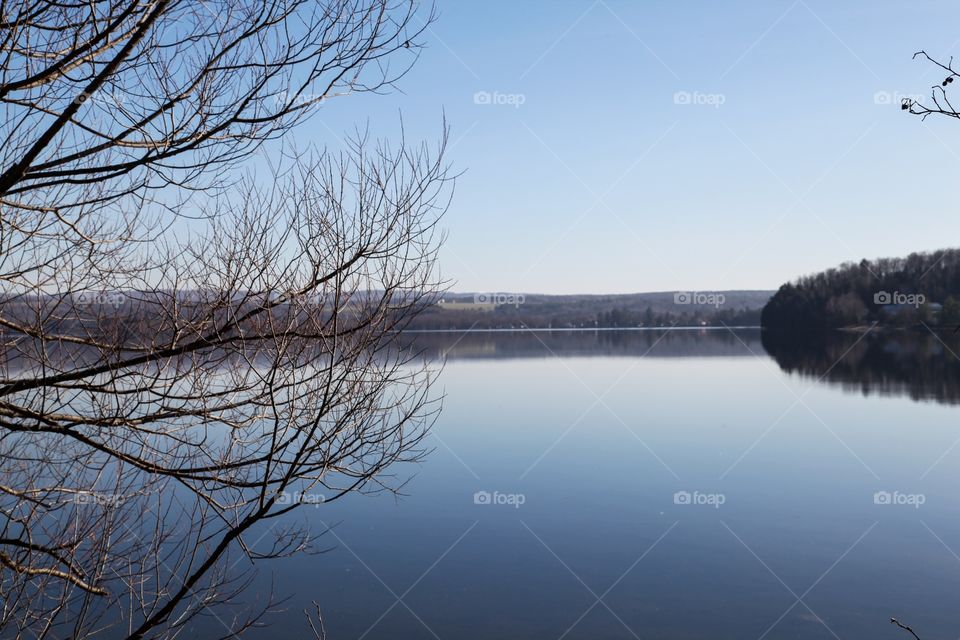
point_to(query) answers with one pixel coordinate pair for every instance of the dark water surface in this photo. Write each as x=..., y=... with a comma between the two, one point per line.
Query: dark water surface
x=683, y=484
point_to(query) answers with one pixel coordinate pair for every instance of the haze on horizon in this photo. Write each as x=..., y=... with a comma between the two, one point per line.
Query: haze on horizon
x=614, y=147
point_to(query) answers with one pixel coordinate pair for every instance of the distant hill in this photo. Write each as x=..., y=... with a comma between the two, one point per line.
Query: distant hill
x=923, y=288
x=497, y=310
x=139, y=311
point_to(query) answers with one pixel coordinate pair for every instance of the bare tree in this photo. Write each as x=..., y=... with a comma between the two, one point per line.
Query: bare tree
x=940, y=103
x=190, y=353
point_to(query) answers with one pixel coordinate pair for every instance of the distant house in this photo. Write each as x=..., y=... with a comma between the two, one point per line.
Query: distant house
x=467, y=305
x=894, y=310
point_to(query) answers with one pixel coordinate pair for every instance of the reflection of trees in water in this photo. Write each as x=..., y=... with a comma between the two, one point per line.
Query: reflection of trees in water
x=907, y=363
x=544, y=344
x=919, y=365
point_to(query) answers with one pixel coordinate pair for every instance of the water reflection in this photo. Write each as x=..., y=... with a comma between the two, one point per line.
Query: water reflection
x=599, y=441
x=918, y=365
x=657, y=343
x=922, y=366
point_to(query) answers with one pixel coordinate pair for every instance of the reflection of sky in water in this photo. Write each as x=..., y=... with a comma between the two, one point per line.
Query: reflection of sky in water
x=598, y=447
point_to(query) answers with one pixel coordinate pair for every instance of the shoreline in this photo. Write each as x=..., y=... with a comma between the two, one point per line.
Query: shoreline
x=581, y=329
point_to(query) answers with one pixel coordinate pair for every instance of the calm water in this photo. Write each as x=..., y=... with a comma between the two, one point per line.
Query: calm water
x=642, y=484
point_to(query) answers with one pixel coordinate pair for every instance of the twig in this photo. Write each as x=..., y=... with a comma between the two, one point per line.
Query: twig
x=318, y=629
x=905, y=627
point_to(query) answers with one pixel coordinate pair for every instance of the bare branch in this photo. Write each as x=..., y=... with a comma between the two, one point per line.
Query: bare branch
x=189, y=349
x=904, y=627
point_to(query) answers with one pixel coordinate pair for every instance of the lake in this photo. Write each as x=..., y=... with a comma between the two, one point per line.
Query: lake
x=657, y=484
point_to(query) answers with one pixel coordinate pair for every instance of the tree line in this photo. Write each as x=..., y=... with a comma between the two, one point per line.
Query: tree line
x=618, y=317
x=923, y=288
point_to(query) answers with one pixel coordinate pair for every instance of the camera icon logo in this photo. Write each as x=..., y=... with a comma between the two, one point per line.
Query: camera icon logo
x=682, y=497
x=681, y=97
x=882, y=497
x=482, y=97
x=682, y=297
x=482, y=497
x=882, y=297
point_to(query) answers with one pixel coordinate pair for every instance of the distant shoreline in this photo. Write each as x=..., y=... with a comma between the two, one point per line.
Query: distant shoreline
x=579, y=329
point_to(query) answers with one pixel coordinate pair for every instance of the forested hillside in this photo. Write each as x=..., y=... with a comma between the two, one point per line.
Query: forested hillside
x=656, y=309
x=921, y=288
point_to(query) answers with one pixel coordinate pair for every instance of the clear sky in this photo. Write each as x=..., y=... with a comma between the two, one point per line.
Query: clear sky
x=640, y=146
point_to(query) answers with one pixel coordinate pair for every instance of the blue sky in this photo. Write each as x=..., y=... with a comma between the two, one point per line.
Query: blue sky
x=641, y=146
